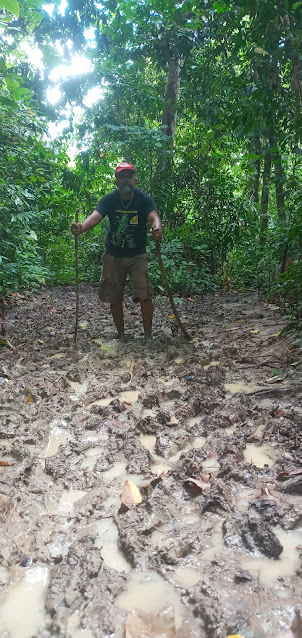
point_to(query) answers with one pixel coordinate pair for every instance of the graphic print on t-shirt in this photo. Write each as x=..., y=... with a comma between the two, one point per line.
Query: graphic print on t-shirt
x=123, y=231
x=127, y=233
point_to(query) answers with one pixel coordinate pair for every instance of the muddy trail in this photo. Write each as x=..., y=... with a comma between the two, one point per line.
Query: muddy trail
x=202, y=443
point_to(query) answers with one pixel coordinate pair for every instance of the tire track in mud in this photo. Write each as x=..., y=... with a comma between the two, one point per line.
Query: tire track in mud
x=210, y=432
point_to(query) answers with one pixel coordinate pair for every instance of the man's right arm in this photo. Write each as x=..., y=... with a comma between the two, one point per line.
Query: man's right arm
x=90, y=222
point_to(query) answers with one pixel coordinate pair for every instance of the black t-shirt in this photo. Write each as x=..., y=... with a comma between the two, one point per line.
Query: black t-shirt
x=127, y=234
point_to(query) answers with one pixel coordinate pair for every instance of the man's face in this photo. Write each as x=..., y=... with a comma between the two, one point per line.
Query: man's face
x=126, y=182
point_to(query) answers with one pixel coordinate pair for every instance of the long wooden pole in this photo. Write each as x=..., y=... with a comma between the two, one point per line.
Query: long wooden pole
x=169, y=293
x=76, y=252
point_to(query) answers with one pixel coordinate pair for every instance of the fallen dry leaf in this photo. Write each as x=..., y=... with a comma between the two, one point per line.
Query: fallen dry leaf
x=296, y=626
x=254, y=332
x=4, y=463
x=150, y=400
x=242, y=575
x=289, y=457
x=235, y=636
x=130, y=365
x=173, y=422
x=131, y=495
x=277, y=412
x=29, y=398
x=284, y=475
x=278, y=379
x=140, y=624
x=258, y=434
x=206, y=477
x=195, y=485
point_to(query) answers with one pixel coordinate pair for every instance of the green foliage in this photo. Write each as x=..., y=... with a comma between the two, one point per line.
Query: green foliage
x=184, y=276
x=240, y=98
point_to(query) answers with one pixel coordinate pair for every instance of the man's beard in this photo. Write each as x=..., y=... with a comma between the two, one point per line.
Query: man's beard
x=126, y=189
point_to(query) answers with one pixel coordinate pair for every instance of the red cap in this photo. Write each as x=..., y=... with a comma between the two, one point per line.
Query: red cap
x=124, y=166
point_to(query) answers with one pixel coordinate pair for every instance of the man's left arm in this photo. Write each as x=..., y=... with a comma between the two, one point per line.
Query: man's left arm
x=156, y=227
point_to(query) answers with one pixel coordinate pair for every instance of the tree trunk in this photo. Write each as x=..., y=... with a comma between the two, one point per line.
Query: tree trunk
x=278, y=179
x=254, y=181
x=265, y=194
x=163, y=173
x=171, y=100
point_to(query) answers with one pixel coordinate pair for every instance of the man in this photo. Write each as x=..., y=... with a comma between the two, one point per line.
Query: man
x=128, y=209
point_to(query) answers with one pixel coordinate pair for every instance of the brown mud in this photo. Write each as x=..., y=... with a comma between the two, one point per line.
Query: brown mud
x=210, y=433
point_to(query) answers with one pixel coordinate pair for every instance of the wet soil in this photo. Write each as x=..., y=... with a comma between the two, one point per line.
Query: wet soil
x=210, y=433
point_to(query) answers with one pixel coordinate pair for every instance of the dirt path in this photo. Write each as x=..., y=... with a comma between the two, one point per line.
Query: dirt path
x=210, y=433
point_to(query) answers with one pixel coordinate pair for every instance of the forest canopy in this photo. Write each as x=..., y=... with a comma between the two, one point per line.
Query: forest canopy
x=203, y=98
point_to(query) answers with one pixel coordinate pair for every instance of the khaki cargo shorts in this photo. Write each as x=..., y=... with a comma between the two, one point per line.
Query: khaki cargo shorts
x=114, y=274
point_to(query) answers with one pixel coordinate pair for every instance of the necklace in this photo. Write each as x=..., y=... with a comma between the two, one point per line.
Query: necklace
x=125, y=207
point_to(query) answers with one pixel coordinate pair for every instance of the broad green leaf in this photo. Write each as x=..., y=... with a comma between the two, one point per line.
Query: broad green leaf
x=22, y=94
x=11, y=84
x=50, y=54
x=7, y=101
x=12, y=6
x=35, y=3
x=296, y=5
x=261, y=51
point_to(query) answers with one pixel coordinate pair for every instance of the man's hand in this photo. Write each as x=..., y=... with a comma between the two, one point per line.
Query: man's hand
x=156, y=232
x=155, y=223
x=76, y=229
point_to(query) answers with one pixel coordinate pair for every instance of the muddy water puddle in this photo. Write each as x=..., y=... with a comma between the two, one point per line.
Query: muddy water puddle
x=215, y=543
x=58, y=436
x=266, y=571
x=181, y=518
x=118, y=471
x=195, y=420
x=79, y=388
x=91, y=457
x=94, y=436
x=187, y=576
x=128, y=397
x=243, y=498
x=107, y=542
x=62, y=503
x=149, y=592
x=260, y=455
x=59, y=547
x=73, y=627
x=22, y=607
x=149, y=442
x=269, y=570
x=231, y=430
x=246, y=388
x=212, y=364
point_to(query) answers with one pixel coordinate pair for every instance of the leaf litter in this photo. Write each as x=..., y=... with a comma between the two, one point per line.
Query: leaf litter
x=184, y=518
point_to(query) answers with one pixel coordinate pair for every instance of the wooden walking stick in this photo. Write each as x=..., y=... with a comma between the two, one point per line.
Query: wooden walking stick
x=76, y=252
x=169, y=293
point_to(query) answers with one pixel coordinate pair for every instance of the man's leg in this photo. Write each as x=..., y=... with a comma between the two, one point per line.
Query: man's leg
x=118, y=318
x=111, y=289
x=142, y=290
x=147, y=315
